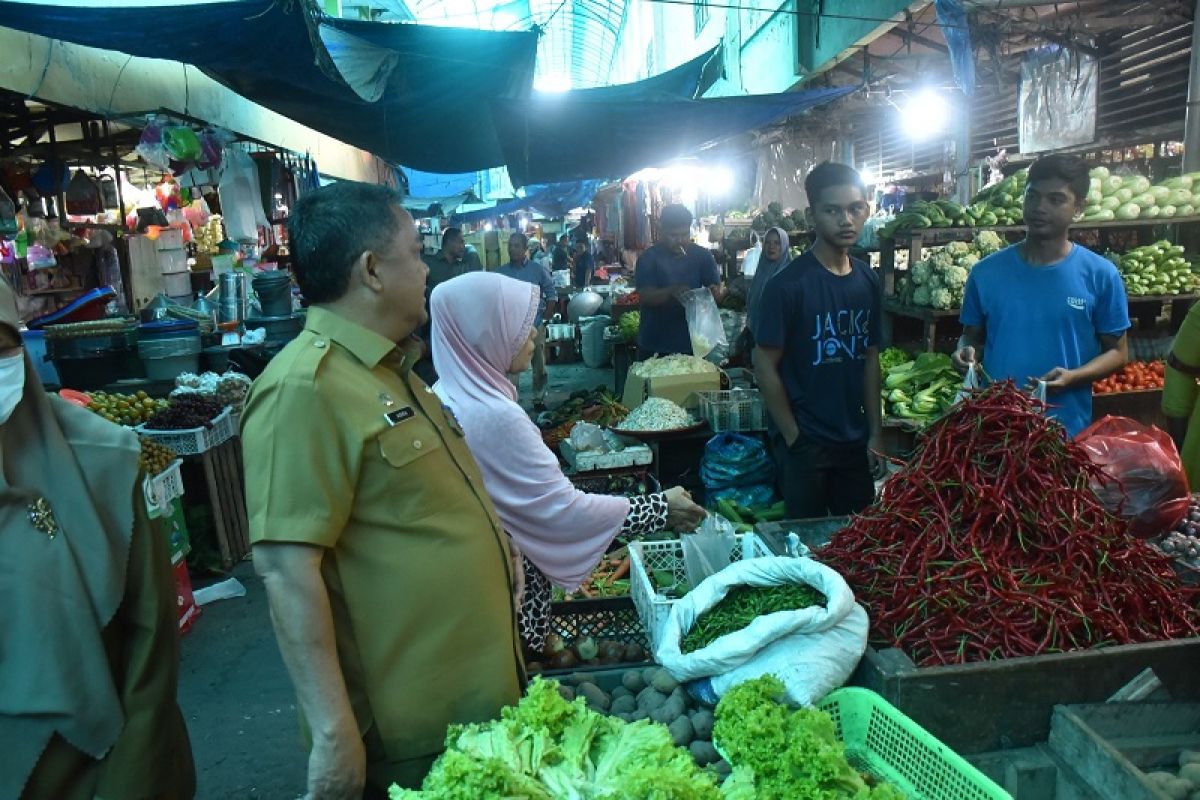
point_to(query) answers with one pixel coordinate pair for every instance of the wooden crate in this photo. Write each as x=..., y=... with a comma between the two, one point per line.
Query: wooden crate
x=996, y=705
x=1111, y=746
x=216, y=478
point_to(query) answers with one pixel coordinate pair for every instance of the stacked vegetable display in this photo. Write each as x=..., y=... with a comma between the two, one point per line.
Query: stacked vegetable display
x=1156, y=269
x=1001, y=203
x=939, y=280
x=597, y=406
x=1129, y=197
x=1133, y=377
x=919, y=390
x=991, y=544
x=774, y=216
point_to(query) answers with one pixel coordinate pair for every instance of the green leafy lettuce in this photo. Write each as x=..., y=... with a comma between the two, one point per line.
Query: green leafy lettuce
x=780, y=752
x=548, y=749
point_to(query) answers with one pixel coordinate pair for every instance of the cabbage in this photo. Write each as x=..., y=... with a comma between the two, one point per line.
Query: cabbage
x=1144, y=199
x=1113, y=184
x=1129, y=211
x=1095, y=185
x=1110, y=203
x=1185, y=210
x=1137, y=183
x=1153, y=212
x=1102, y=215
x=1181, y=182
x=1161, y=194
x=1167, y=211
x=1099, y=172
x=1124, y=195
x=1180, y=197
x=1094, y=198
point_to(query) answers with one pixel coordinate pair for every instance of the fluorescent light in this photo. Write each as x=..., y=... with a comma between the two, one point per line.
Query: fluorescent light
x=925, y=114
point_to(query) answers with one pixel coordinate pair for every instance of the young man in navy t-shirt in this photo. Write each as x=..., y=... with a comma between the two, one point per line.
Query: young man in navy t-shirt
x=817, y=356
x=1046, y=308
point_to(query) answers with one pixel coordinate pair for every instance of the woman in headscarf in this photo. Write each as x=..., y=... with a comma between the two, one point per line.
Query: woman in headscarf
x=482, y=331
x=89, y=648
x=774, y=258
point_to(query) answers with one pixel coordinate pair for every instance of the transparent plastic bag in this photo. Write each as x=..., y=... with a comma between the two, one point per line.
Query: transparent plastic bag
x=588, y=437
x=708, y=550
x=753, y=255
x=1149, y=487
x=704, y=321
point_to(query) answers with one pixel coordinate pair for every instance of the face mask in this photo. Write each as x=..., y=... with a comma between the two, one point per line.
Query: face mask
x=12, y=384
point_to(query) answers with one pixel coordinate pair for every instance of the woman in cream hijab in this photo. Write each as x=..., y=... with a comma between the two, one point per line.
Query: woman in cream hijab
x=89, y=650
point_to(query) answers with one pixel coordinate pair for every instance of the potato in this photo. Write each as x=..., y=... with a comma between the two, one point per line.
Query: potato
x=681, y=731
x=650, y=699
x=634, y=653
x=624, y=705
x=1191, y=772
x=633, y=681
x=702, y=722
x=576, y=678
x=1189, y=757
x=648, y=675
x=703, y=752
x=622, y=717
x=567, y=692
x=620, y=691
x=675, y=707
x=639, y=715
x=663, y=681
x=594, y=695
x=722, y=767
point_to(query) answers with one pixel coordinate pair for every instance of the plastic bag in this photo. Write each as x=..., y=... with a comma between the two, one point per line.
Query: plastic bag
x=83, y=195
x=813, y=650
x=8, y=215
x=1150, y=487
x=241, y=199
x=704, y=321
x=972, y=381
x=731, y=460
x=586, y=436
x=753, y=255
x=708, y=550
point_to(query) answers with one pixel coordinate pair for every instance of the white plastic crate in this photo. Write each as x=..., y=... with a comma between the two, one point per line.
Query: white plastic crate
x=162, y=488
x=192, y=441
x=647, y=558
x=732, y=410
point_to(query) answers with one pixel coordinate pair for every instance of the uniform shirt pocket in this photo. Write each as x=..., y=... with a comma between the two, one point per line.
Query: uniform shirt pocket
x=402, y=445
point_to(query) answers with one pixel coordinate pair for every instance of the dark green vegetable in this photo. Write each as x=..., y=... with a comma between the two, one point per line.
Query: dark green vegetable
x=743, y=605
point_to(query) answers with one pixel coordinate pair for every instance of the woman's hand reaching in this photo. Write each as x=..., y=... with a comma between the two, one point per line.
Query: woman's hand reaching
x=683, y=515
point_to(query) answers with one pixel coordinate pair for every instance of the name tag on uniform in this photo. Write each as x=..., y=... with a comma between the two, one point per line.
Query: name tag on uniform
x=394, y=418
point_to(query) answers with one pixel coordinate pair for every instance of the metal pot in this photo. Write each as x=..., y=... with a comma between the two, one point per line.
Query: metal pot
x=584, y=304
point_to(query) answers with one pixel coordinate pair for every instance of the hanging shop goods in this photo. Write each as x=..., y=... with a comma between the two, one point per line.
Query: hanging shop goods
x=990, y=544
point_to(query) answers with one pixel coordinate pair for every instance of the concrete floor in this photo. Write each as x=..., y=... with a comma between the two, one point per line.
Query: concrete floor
x=235, y=692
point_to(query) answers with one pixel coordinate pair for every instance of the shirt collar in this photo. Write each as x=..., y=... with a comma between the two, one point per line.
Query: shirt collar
x=367, y=346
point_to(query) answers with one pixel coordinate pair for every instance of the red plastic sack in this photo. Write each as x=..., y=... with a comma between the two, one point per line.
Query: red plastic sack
x=1150, y=488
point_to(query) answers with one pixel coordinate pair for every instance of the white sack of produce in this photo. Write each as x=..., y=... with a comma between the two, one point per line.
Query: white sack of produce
x=813, y=650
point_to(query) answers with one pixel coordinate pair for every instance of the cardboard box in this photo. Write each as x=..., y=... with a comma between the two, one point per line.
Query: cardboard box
x=679, y=389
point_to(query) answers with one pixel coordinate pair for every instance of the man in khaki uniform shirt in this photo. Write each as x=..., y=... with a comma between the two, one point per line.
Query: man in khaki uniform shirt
x=387, y=570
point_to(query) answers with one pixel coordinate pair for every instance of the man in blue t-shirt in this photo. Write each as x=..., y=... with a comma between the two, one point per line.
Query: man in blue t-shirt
x=1046, y=308
x=817, y=356
x=672, y=266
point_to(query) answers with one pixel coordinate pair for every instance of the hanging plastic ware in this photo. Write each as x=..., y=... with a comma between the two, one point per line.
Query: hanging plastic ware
x=83, y=195
x=150, y=146
x=181, y=143
x=210, y=150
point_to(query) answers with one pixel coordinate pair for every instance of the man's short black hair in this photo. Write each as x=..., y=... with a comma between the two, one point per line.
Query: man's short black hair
x=675, y=216
x=829, y=174
x=329, y=228
x=518, y=235
x=451, y=235
x=1072, y=170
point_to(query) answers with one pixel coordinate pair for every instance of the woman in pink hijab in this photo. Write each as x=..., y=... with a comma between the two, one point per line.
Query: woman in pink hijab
x=482, y=331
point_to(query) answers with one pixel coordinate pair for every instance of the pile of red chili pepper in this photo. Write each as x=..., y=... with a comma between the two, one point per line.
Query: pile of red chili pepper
x=990, y=544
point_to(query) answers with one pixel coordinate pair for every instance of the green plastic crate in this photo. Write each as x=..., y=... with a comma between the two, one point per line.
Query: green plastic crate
x=883, y=742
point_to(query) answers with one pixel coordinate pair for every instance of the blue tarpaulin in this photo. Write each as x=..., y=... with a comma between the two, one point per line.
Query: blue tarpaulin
x=444, y=100
x=553, y=200
x=413, y=94
x=566, y=138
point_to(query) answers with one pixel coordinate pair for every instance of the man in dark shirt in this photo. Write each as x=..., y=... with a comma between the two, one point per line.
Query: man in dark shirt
x=585, y=264
x=673, y=265
x=451, y=261
x=817, y=356
x=521, y=268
